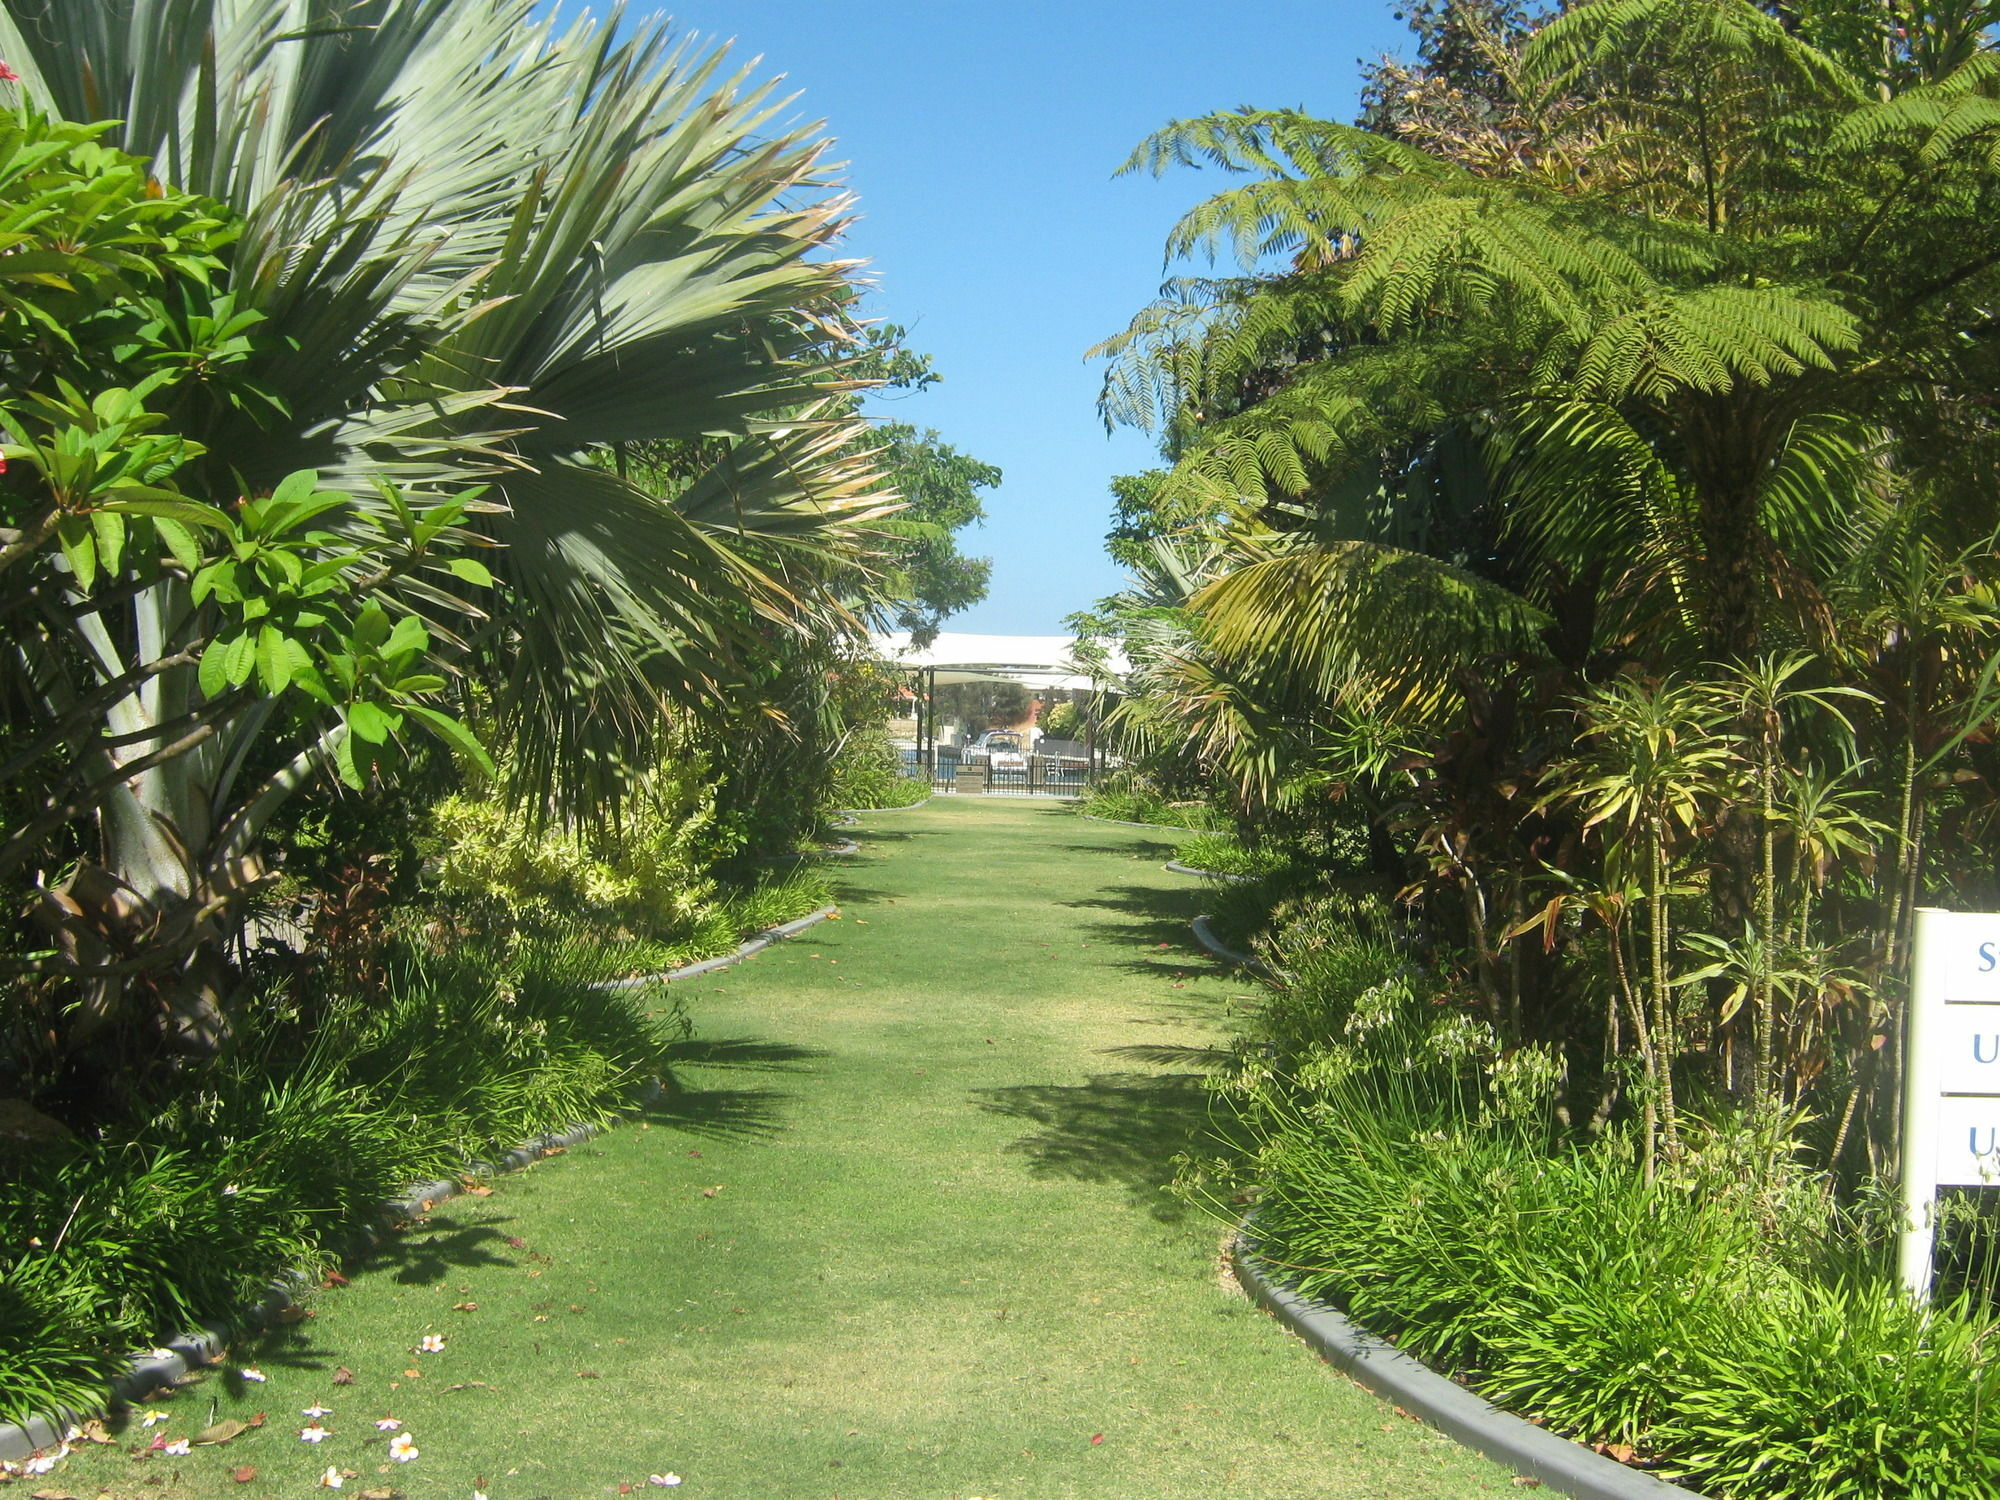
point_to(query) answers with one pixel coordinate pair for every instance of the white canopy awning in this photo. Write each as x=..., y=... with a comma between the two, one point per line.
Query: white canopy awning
x=1041, y=663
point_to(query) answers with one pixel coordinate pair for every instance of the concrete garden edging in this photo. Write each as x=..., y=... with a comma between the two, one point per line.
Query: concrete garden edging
x=755, y=944
x=854, y=813
x=1205, y=935
x=209, y=1341
x=1128, y=823
x=1180, y=869
x=1513, y=1442
x=824, y=851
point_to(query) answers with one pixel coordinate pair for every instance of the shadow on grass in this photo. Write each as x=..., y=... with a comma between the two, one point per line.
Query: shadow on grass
x=1122, y=1128
x=891, y=835
x=748, y=1052
x=1153, y=919
x=1166, y=1055
x=437, y=1244
x=741, y=1114
x=722, y=1114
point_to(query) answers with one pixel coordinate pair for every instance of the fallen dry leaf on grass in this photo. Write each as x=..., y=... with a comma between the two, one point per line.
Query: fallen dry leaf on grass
x=221, y=1432
x=243, y=1473
x=343, y=1376
x=465, y=1307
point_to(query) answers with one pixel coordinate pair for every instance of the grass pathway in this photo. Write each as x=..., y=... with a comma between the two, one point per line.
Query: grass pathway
x=901, y=1237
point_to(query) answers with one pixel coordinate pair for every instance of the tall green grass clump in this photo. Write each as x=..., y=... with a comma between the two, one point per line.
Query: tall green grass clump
x=1226, y=854
x=272, y=1156
x=1129, y=796
x=1733, y=1329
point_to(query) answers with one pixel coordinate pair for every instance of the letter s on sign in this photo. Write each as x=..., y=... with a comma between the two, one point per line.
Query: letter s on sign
x=1986, y=958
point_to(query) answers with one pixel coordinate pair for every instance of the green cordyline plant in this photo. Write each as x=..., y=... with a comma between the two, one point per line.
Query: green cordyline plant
x=1763, y=693
x=1650, y=764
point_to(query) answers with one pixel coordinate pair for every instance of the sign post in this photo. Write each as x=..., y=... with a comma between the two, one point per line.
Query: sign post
x=1951, y=1074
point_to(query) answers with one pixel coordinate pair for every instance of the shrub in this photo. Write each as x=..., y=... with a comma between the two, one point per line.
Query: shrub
x=648, y=877
x=868, y=773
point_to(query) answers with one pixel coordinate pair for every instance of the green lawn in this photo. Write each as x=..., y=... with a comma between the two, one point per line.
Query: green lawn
x=900, y=1236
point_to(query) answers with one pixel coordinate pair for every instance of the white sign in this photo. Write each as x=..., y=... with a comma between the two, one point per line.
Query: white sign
x=1951, y=1073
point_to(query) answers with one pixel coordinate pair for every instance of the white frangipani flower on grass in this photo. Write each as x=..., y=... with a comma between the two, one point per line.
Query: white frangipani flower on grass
x=431, y=1343
x=387, y=1424
x=331, y=1479
x=252, y=1374
x=312, y=1432
x=316, y=1411
x=176, y=1449
x=152, y=1419
x=402, y=1447
x=664, y=1481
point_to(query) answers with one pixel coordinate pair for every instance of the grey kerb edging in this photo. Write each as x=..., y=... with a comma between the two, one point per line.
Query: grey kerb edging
x=756, y=944
x=204, y=1346
x=1566, y=1467
x=1128, y=823
x=1180, y=869
x=854, y=813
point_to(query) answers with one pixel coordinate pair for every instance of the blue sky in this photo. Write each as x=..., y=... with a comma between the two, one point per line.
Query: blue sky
x=982, y=138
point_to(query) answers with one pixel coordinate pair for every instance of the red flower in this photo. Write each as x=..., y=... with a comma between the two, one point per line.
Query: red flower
x=8, y=75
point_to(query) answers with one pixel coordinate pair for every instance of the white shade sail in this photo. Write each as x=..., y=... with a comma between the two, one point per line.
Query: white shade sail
x=1041, y=663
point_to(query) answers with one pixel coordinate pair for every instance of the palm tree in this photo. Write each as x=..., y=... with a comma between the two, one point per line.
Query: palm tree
x=486, y=250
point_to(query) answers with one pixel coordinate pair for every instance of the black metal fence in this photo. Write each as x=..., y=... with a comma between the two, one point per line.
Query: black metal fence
x=1036, y=776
